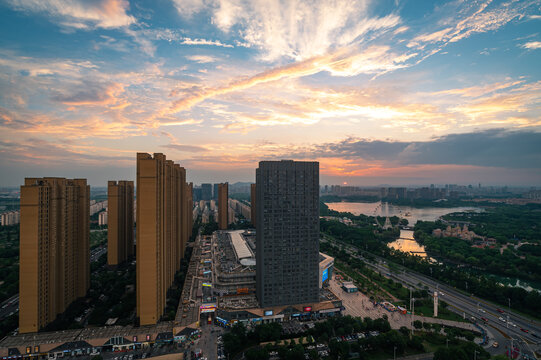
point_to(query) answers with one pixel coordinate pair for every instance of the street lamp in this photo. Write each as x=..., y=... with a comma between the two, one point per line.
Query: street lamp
x=475, y=352
x=394, y=353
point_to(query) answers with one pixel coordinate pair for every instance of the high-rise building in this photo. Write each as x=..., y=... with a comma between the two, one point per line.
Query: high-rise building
x=223, y=206
x=287, y=236
x=253, y=204
x=120, y=222
x=215, y=191
x=54, y=248
x=206, y=192
x=103, y=217
x=163, y=225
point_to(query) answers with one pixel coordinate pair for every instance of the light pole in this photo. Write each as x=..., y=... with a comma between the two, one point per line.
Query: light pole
x=475, y=354
x=394, y=353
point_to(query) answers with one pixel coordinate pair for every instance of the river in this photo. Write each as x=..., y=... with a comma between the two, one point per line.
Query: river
x=412, y=214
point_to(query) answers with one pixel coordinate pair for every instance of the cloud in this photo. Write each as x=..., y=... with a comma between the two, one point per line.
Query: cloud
x=185, y=148
x=80, y=14
x=532, y=45
x=188, y=41
x=188, y=8
x=489, y=148
x=202, y=59
x=91, y=93
x=309, y=29
x=343, y=62
x=468, y=19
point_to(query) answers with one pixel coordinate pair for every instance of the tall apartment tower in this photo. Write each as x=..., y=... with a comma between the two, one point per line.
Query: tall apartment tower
x=120, y=222
x=287, y=236
x=54, y=248
x=215, y=191
x=253, y=204
x=223, y=205
x=161, y=231
x=206, y=192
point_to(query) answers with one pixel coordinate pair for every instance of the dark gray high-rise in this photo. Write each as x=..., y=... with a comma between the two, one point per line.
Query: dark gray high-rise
x=287, y=243
x=206, y=192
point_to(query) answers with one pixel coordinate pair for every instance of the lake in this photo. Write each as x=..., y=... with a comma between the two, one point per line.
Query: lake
x=407, y=243
x=412, y=214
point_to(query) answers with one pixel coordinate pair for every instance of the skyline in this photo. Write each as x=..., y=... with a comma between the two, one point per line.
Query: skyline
x=388, y=92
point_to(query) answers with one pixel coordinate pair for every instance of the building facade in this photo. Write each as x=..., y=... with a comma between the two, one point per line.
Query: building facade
x=163, y=227
x=223, y=206
x=54, y=248
x=10, y=218
x=206, y=192
x=120, y=222
x=287, y=236
x=253, y=204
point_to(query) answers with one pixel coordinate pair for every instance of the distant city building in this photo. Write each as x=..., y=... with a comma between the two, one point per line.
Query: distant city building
x=120, y=228
x=533, y=194
x=164, y=213
x=215, y=191
x=54, y=248
x=206, y=192
x=287, y=256
x=240, y=208
x=223, y=206
x=10, y=218
x=103, y=217
x=231, y=216
x=253, y=204
x=97, y=206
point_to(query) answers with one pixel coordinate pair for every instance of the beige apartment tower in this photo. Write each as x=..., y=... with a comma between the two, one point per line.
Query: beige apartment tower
x=253, y=204
x=54, y=248
x=223, y=205
x=120, y=222
x=163, y=228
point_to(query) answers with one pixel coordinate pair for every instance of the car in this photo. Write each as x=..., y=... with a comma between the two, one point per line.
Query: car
x=512, y=324
x=501, y=319
x=483, y=311
x=495, y=344
x=484, y=319
x=500, y=311
x=525, y=330
x=535, y=335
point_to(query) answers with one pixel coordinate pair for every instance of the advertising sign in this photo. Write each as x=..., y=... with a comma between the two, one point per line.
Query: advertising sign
x=307, y=309
x=268, y=313
x=325, y=275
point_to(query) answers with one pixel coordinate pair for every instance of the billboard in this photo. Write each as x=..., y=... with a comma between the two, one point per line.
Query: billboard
x=307, y=309
x=207, y=308
x=325, y=275
x=268, y=312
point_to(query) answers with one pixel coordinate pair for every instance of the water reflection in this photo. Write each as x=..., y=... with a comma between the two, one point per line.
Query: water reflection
x=412, y=214
x=406, y=243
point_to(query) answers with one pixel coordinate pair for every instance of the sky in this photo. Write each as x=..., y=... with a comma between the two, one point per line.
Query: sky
x=378, y=91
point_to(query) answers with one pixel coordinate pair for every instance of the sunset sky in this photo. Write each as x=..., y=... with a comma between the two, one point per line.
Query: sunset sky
x=379, y=92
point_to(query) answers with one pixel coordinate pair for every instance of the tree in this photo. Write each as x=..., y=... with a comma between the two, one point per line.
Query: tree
x=256, y=354
x=452, y=353
x=417, y=324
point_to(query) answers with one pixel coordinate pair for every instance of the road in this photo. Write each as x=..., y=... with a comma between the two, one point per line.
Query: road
x=470, y=306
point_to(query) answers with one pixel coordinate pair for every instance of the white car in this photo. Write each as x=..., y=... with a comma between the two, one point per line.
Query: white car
x=501, y=319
